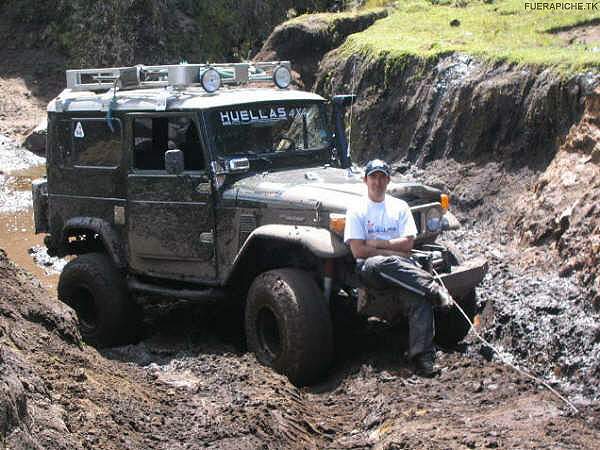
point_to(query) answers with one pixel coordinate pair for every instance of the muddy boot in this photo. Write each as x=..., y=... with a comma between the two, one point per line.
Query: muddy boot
x=425, y=365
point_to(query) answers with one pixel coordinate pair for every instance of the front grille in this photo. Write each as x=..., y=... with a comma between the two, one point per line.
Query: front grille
x=247, y=225
x=417, y=217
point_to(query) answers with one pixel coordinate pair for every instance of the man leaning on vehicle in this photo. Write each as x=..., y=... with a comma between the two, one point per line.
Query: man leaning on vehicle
x=380, y=230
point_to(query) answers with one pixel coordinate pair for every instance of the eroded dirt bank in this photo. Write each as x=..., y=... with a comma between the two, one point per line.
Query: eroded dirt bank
x=190, y=389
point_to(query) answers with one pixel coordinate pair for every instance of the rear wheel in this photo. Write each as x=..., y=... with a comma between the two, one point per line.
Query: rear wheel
x=95, y=289
x=288, y=325
x=451, y=327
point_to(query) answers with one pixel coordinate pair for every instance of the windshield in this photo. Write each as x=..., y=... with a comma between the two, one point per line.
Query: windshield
x=269, y=129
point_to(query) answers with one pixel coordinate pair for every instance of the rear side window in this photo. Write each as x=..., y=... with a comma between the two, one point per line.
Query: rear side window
x=96, y=142
x=153, y=136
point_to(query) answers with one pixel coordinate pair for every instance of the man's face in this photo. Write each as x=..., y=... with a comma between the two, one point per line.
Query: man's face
x=377, y=184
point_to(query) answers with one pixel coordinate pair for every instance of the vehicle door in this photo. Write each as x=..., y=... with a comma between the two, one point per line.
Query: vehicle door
x=169, y=217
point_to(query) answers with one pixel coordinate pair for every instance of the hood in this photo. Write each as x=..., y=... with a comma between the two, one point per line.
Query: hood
x=332, y=188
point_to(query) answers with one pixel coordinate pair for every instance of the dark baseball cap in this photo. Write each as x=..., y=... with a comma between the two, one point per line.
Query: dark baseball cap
x=377, y=165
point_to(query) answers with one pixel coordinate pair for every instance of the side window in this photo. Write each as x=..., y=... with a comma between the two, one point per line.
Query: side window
x=153, y=136
x=95, y=143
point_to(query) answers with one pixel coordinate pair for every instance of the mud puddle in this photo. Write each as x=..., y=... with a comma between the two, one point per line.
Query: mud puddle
x=18, y=167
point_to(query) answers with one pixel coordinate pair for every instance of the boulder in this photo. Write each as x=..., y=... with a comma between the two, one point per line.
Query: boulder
x=36, y=140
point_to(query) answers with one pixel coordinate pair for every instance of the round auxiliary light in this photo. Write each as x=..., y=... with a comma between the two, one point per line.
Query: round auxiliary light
x=210, y=80
x=433, y=219
x=282, y=77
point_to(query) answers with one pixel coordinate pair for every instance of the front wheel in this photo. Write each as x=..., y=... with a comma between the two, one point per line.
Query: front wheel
x=95, y=289
x=288, y=325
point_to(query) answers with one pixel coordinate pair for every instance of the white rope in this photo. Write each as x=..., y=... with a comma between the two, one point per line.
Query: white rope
x=503, y=358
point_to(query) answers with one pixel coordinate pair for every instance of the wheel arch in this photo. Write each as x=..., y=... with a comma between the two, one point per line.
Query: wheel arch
x=96, y=235
x=277, y=246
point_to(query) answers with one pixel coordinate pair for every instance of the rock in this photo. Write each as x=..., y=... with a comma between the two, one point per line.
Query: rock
x=320, y=33
x=588, y=83
x=36, y=140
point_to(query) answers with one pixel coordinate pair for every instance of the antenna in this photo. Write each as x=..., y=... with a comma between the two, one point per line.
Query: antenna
x=351, y=108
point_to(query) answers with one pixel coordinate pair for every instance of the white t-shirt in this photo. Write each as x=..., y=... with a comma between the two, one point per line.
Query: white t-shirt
x=386, y=220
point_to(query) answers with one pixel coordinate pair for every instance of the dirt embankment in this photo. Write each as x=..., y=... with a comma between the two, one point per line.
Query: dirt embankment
x=562, y=209
x=455, y=107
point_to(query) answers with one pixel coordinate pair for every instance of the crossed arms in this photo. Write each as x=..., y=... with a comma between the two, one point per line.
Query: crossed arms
x=363, y=249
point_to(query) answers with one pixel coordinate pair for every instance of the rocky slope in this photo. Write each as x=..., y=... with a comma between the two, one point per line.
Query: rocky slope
x=561, y=211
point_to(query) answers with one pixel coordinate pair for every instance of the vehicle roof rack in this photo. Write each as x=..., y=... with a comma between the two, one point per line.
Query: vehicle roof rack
x=175, y=75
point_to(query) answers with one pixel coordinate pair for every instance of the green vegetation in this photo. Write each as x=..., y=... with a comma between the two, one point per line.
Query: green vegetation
x=116, y=32
x=501, y=30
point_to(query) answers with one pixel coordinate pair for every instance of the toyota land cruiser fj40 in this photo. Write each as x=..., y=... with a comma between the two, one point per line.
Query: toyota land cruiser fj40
x=194, y=182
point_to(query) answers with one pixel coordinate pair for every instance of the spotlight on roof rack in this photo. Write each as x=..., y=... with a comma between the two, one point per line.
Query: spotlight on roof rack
x=282, y=77
x=210, y=80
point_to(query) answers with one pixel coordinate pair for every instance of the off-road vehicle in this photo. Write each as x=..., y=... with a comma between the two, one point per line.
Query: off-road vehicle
x=195, y=182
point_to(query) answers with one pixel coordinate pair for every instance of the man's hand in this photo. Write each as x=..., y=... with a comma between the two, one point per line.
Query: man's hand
x=375, y=247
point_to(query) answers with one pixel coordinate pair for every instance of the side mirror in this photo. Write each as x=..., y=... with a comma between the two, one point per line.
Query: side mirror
x=238, y=165
x=174, y=162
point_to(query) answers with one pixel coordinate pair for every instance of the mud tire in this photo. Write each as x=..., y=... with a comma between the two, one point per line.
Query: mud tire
x=451, y=326
x=288, y=325
x=96, y=290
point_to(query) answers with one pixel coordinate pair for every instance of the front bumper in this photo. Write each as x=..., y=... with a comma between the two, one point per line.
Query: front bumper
x=462, y=279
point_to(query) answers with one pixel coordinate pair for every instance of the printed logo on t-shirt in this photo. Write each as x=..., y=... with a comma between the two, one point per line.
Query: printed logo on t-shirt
x=373, y=228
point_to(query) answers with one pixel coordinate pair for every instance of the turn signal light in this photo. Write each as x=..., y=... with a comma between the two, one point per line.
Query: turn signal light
x=337, y=222
x=445, y=201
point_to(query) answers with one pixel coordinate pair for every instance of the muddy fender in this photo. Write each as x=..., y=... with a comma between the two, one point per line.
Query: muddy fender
x=319, y=241
x=104, y=230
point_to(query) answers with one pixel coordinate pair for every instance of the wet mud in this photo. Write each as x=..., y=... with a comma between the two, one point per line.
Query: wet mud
x=187, y=386
x=18, y=167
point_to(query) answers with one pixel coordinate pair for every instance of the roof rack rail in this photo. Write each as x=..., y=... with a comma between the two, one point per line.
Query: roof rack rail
x=175, y=75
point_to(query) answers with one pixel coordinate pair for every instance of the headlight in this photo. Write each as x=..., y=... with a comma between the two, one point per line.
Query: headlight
x=337, y=223
x=210, y=80
x=282, y=77
x=433, y=219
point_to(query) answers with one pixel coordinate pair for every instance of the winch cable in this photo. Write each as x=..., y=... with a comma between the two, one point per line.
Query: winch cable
x=503, y=358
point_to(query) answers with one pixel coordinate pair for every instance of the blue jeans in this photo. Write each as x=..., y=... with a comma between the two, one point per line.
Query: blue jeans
x=403, y=274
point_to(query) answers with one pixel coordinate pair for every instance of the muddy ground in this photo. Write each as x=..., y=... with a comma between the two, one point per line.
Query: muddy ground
x=194, y=388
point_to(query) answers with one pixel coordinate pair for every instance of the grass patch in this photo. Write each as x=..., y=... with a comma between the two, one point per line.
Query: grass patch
x=333, y=18
x=499, y=31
